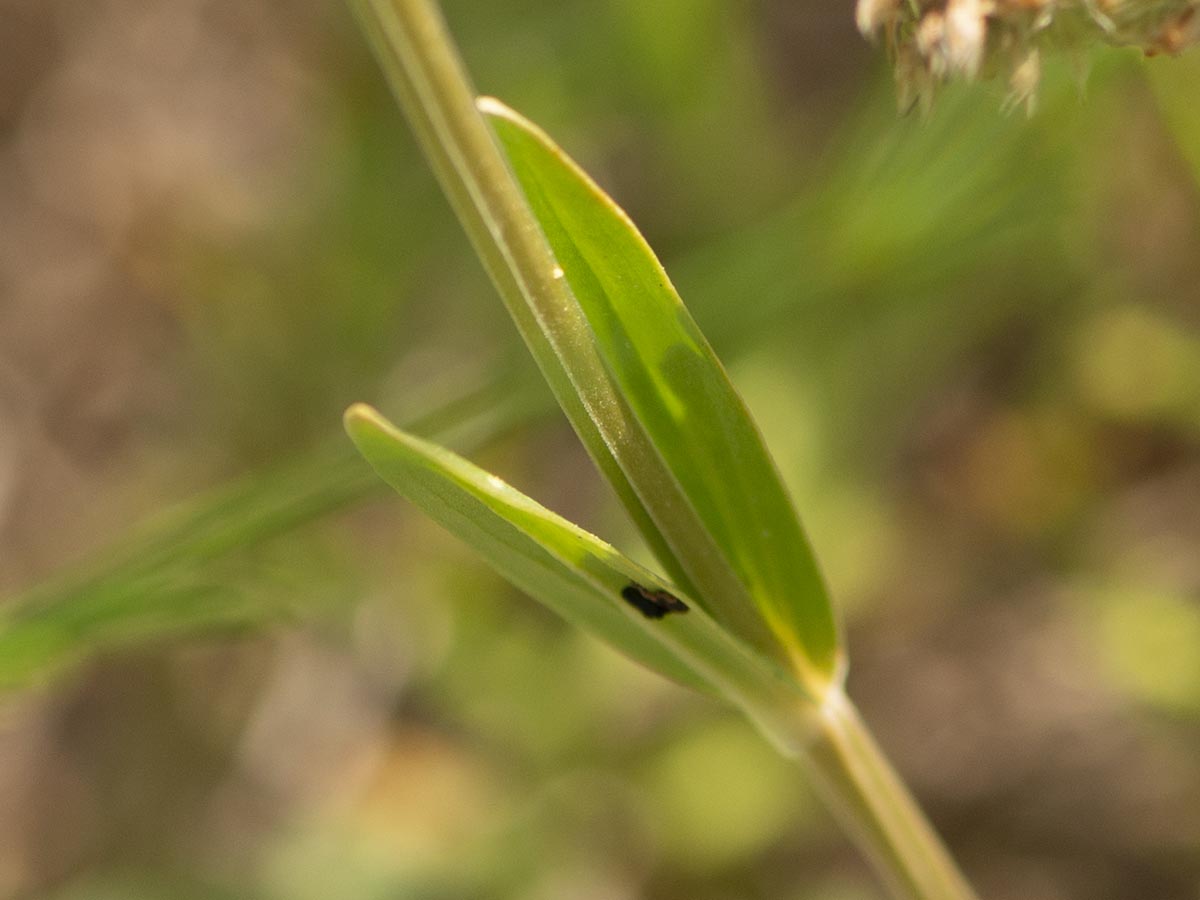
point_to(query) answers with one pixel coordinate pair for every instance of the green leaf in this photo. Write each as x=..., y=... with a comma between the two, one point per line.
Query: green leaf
x=179, y=574
x=668, y=374
x=37, y=643
x=577, y=575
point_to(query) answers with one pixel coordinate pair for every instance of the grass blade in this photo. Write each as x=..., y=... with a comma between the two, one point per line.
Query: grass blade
x=183, y=573
x=580, y=577
x=680, y=394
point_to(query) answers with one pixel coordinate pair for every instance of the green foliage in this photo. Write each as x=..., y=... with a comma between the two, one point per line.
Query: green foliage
x=569, y=570
x=680, y=394
x=851, y=248
x=174, y=577
x=577, y=575
x=650, y=387
x=187, y=573
x=930, y=319
x=835, y=243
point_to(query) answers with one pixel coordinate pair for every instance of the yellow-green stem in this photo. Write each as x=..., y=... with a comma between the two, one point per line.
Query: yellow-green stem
x=876, y=808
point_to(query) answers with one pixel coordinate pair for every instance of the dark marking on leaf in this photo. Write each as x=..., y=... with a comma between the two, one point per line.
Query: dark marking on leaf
x=652, y=603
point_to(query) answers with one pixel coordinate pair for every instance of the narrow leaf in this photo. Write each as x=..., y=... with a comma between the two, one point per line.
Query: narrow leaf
x=680, y=395
x=37, y=644
x=576, y=574
x=187, y=571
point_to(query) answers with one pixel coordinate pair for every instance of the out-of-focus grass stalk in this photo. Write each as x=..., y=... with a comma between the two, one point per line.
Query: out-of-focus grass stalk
x=166, y=576
x=422, y=65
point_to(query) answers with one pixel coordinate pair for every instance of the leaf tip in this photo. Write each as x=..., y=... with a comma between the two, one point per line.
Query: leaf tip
x=498, y=111
x=361, y=419
x=490, y=106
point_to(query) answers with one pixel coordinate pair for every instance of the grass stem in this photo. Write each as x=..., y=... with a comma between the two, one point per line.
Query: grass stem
x=877, y=810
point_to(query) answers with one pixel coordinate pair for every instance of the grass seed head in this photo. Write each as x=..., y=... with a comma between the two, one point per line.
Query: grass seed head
x=935, y=41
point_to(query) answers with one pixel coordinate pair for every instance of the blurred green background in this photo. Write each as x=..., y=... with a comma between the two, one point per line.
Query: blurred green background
x=234, y=668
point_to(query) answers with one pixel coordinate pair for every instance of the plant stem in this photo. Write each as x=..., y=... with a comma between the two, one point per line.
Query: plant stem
x=877, y=810
x=423, y=68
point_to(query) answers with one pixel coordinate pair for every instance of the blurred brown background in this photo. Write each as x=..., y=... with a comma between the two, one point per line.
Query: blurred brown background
x=234, y=668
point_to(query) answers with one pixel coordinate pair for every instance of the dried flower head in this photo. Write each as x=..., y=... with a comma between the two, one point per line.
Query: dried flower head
x=934, y=41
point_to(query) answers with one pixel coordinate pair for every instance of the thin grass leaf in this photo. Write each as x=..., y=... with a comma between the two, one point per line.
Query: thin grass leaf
x=680, y=394
x=35, y=646
x=1173, y=82
x=579, y=576
x=181, y=573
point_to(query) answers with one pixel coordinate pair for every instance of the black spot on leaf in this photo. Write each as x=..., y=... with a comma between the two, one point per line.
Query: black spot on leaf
x=653, y=604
